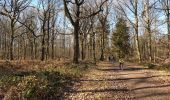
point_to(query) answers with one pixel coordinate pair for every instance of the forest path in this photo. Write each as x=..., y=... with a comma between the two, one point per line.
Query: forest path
x=135, y=82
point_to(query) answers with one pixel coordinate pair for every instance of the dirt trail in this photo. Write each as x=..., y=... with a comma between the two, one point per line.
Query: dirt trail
x=107, y=82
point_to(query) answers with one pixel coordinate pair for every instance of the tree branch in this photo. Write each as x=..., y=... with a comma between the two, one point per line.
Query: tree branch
x=67, y=12
x=95, y=13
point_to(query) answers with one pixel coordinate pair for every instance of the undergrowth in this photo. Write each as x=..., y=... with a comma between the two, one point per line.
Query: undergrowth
x=43, y=82
x=163, y=67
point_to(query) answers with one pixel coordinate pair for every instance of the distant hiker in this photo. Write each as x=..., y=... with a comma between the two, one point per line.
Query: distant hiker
x=113, y=59
x=109, y=58
x=121, y=63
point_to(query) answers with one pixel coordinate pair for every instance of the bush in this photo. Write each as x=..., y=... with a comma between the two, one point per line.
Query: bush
x=164, y=67
x=151, y=66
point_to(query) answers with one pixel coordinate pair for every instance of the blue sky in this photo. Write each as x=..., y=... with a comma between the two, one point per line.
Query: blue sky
x=34, y=2
x=162, y=28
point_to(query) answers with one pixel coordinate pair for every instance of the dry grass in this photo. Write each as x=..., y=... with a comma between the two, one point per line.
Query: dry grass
x=36, y=79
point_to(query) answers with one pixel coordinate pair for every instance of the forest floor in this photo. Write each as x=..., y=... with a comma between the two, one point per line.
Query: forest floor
x=107, y=82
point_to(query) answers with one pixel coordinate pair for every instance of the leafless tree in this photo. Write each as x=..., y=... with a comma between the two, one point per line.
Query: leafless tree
x=75, y=18
x=12, y=9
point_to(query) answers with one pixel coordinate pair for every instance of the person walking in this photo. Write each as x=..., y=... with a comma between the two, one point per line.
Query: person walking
x=121, y=63
x=113, y=59
x=109, y=58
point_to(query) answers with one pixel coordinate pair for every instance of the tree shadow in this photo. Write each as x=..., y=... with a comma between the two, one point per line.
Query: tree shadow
x=119, y=79
x=152, y=95
x=107, y=69
x=125, y=69
x=99, y=90
x=150, y=87
x=132, y=73
x=134, y=69
x=157, y=94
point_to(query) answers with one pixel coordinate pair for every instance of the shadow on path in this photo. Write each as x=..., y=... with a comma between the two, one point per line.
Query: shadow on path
x=151, y=87
x=100, y=90
x=125, y=69
x=137, y=82
x=119, y=79
x=152, y=95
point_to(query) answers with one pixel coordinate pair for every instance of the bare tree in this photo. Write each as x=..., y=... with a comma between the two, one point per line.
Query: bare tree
x=103, y=19
x=148, y=21
x=45, y=16
x=166, y=8
x=12, y=9
x=75, y=21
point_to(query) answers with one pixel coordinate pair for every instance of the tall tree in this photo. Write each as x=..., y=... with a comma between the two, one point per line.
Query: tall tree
x=76, y=21
x=103, y=19
x=149, y=16
x=133, y=7
x=45, y=15
x=120, y=38
x=166, y=8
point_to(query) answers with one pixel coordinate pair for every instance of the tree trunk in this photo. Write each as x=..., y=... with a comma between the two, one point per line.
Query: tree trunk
x=102, y=46
x=12, y=40
x=18, y=57
x=52, y=46
x=32, y=50
x=6, y=47
x=150, y=41
x=168, y=25
x=25, y=50
x=85, y=47
x=48, y=37
x=35, y=49
x=148, y=28
x=76, y=36
x=43, y=48
x=137, y=32
x=43, y=40
x=43, y=44
x=94, y=47
x=137, y=46
x=76, y=42
x=82, y=49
